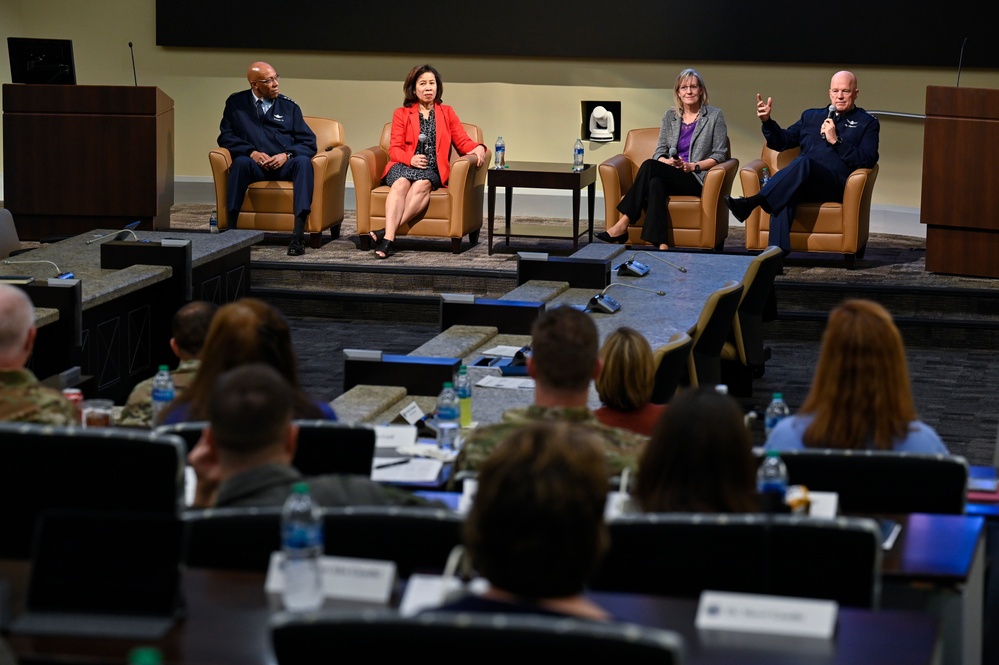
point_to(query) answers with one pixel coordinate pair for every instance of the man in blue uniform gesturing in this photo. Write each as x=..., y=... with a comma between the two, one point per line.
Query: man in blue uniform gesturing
x=268, y=139
x=834, y=141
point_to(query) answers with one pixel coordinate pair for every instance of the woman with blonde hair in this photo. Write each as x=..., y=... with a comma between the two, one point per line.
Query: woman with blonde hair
x=860, y=396
x=626, y=381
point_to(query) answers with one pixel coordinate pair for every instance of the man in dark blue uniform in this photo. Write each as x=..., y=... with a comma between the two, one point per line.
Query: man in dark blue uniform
x=834, y=141
x=268, y=139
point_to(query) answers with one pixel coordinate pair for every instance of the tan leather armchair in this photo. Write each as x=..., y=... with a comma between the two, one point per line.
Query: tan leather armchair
x=453, y=212
x=694, y=221
x=841, y=228
x=268, y=205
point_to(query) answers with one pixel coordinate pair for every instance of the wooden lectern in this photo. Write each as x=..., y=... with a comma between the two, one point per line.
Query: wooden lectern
x=960, y=200
x=81, y=157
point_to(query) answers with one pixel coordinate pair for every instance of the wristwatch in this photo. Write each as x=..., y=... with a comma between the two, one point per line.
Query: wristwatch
x=697, y=168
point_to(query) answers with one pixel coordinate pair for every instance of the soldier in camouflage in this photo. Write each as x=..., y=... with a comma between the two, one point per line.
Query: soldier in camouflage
x=22, y=398
x=564, y=361
x=189, y=327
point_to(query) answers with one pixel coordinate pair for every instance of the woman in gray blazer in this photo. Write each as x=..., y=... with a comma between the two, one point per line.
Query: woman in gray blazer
x=693, y=138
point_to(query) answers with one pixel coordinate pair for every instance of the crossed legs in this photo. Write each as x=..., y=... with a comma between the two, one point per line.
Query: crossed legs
x=406, y=199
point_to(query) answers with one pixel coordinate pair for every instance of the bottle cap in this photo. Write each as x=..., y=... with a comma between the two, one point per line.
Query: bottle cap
x=164, y=368
x=463, y=369
x=145, y=656
x=448, y=384
x=778, y=395
x=300, y=488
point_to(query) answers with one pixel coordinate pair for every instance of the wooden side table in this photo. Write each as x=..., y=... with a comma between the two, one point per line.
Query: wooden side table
x=542, y=175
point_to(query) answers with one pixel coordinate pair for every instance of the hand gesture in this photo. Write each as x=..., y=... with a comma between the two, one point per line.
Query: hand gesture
x=763, y=107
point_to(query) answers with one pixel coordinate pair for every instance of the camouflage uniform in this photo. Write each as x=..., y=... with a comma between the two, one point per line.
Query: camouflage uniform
x=138, y=411
x=24, y=400
x=621, y=446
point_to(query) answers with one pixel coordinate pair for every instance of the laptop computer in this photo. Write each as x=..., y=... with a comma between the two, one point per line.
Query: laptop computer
x=103, y=575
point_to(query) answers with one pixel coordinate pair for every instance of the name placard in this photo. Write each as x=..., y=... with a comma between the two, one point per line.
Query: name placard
x=775, y=615
x=343, y=578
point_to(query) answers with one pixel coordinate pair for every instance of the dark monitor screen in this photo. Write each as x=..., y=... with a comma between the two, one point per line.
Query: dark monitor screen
x=41, y=60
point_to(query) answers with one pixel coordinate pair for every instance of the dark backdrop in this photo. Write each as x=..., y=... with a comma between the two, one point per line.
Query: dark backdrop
x=866, y=33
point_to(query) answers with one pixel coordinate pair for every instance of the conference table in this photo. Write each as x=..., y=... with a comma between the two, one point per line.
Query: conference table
x=114, y=323
x=228, y=616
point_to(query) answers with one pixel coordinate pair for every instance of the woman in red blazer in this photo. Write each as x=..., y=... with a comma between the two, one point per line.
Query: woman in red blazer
x=423, y=131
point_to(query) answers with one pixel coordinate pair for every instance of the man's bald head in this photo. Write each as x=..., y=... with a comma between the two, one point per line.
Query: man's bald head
x=17, y=327
x=843, y=91
x=263, y=80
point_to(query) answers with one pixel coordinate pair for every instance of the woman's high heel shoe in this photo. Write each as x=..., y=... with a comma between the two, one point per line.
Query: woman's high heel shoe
x=606, y=237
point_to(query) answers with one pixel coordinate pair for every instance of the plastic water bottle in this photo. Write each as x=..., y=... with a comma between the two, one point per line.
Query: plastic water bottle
x=463, y=386
x=447, y=417
x=213, y=222
x=772, y=474
x=764, y=177
x=163, y=392
x=776, y=412
x=302, y=543
x=577, y=156
x=499, y=156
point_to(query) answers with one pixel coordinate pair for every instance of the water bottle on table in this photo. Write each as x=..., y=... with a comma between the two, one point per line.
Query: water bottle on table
x=163, y=392
x=213, y=222
x=499, y=155
x=764, y=177
x=771, y=477
x=446, y=417
x=776, y=412
x=463, y=386
x=577, y=156
x=302, y=543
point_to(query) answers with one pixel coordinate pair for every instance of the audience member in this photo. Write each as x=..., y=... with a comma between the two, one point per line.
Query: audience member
x=189, y=328
x=536, y=527
x=692, y=139
x=22, y=398
x=699, y=458
x=244, y=456
x=423, y=132
x=268, y=138
x=834, y=142
x=563, y=362
x=248, y=330
x=626, y=381
x=860, y=397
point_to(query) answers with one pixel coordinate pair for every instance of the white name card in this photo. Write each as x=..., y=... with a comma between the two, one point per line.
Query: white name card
x=776, y=615
x=412, y=413
x=343, y=578
x=395, y=436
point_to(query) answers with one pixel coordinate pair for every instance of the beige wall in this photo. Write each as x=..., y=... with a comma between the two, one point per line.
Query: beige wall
x=534, y=104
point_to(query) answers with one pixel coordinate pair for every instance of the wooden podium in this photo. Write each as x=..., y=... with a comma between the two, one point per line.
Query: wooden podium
x=960, y=199
x=81, y=157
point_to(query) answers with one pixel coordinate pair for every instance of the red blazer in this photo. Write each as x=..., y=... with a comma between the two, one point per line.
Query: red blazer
x=406, y=135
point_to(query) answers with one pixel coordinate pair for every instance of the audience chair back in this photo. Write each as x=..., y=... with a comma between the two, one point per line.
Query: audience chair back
x=9, y=242
x=872, y=482
x=189, y=432
x=232, y=538
x=416, y=539
x=744, y=356
x=671, y=361
x=681, y=554
x=710, y=332
x=331, y=447
x=381, y=635
x=46, y=468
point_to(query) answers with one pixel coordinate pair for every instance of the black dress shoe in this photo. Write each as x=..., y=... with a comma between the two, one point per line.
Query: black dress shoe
x=741, y=207
x=295, y=247
x=606, y=237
